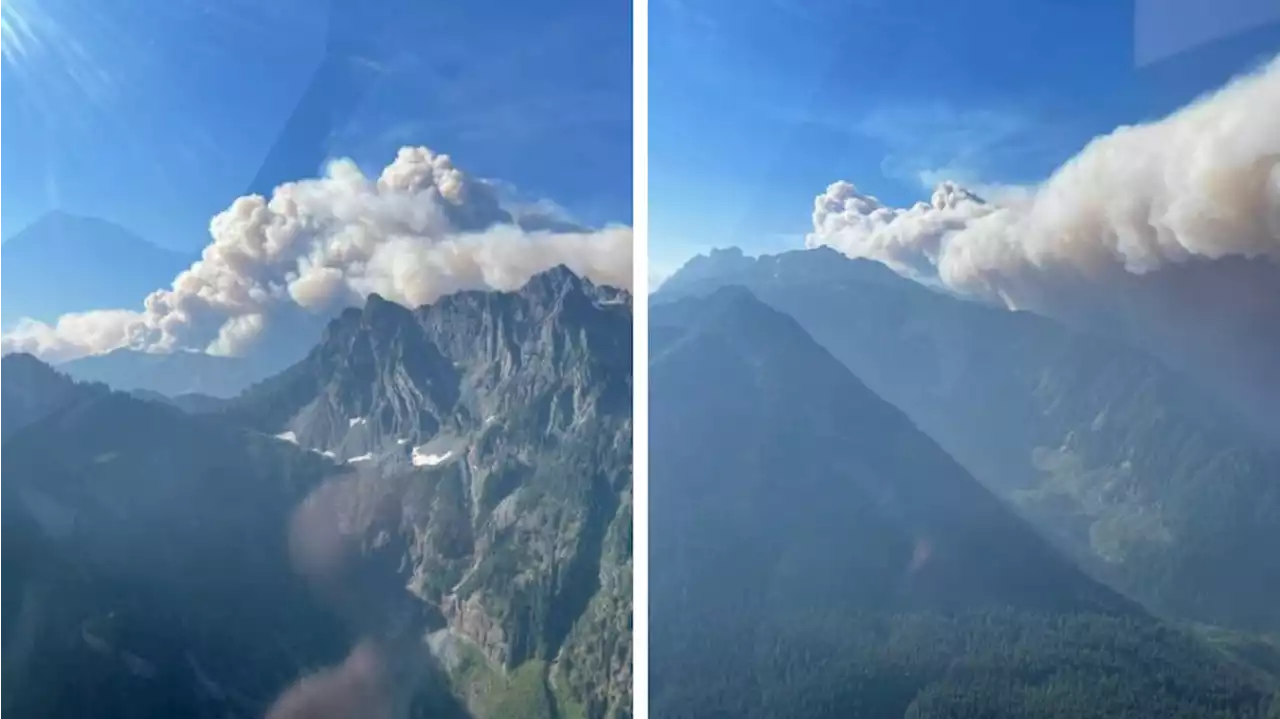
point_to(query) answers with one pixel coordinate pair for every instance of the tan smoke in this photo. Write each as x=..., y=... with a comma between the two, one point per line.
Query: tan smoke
x=1202, y=182
x=420, y=230
x=327, y=540
x=355, y=689
x=1168, y=232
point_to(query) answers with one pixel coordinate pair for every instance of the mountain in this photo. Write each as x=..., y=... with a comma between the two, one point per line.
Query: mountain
x=190, y=372
x=1145, y=479
x=171, y=374
x=517, y=408
x=144, y=565
x=54, y=266
x=826, y=458
x=453, y=482
x=813, y=554
x=33, y=390
x=192, y=403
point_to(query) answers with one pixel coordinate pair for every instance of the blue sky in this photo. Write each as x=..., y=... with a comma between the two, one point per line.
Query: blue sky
x=156, y=115
x=756, y=106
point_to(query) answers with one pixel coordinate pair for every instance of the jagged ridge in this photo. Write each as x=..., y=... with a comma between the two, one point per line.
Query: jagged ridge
x=515, y=409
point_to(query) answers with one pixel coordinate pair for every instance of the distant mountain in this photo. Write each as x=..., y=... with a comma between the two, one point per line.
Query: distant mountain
x=1147, y=480
x=171, y=374
x=813, y=554
x=56, y=265
x=707, y=268
x=459, y=476
x=34, y=390
x=190, y=403
x=190, y=372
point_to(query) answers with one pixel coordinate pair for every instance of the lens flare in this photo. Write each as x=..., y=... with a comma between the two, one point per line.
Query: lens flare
x=14, y=32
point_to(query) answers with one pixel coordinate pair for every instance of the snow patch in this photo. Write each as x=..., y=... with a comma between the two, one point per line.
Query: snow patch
x=356, y=420
x=288, y=437
x=362, y=458
x=421, y=459
x=329, y=454
x=402, y=441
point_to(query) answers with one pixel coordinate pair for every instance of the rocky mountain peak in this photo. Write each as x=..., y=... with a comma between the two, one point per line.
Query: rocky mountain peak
x=559, y=276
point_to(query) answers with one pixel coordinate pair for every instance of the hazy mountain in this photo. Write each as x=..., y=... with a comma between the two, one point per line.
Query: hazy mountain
x=813, y=554
x=1142, y=476
x=193, y=372
x=192, y=403
x=145, y=568
x=482, y=510
x=55, y=266
x=33, y=390
x=752, y=421
x=171, y=374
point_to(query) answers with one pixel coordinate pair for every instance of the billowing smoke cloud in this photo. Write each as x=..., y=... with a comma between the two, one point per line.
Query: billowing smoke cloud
x=354, y=688
x=421, y=230
x=328, y=538
x=1203, y=182
x=1169, y=231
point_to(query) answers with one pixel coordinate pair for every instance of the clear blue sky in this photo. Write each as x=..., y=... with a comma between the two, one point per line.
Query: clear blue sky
x=757, y=105
x=155, y=114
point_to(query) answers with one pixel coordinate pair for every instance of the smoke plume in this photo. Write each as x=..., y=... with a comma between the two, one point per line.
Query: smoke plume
x=332, y=543
x=354, y=688
x=1167, y=232
x=420, y=230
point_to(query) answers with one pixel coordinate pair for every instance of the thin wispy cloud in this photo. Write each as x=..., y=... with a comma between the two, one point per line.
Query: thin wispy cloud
x=932, y=143
x=928, y=143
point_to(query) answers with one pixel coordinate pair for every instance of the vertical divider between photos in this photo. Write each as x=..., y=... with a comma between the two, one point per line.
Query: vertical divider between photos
x=640, y=366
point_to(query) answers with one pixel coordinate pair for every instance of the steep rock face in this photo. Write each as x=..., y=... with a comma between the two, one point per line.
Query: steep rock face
x=495, y=431
x=1145, y=479
x=813, y=554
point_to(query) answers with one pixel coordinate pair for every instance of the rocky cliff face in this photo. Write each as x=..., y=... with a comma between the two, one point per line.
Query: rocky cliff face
x=495, y=430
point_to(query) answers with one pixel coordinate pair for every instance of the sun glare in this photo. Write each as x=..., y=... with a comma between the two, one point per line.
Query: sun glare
x=16, y=35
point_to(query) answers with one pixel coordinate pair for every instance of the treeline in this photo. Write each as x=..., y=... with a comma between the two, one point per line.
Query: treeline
x=931, y=666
